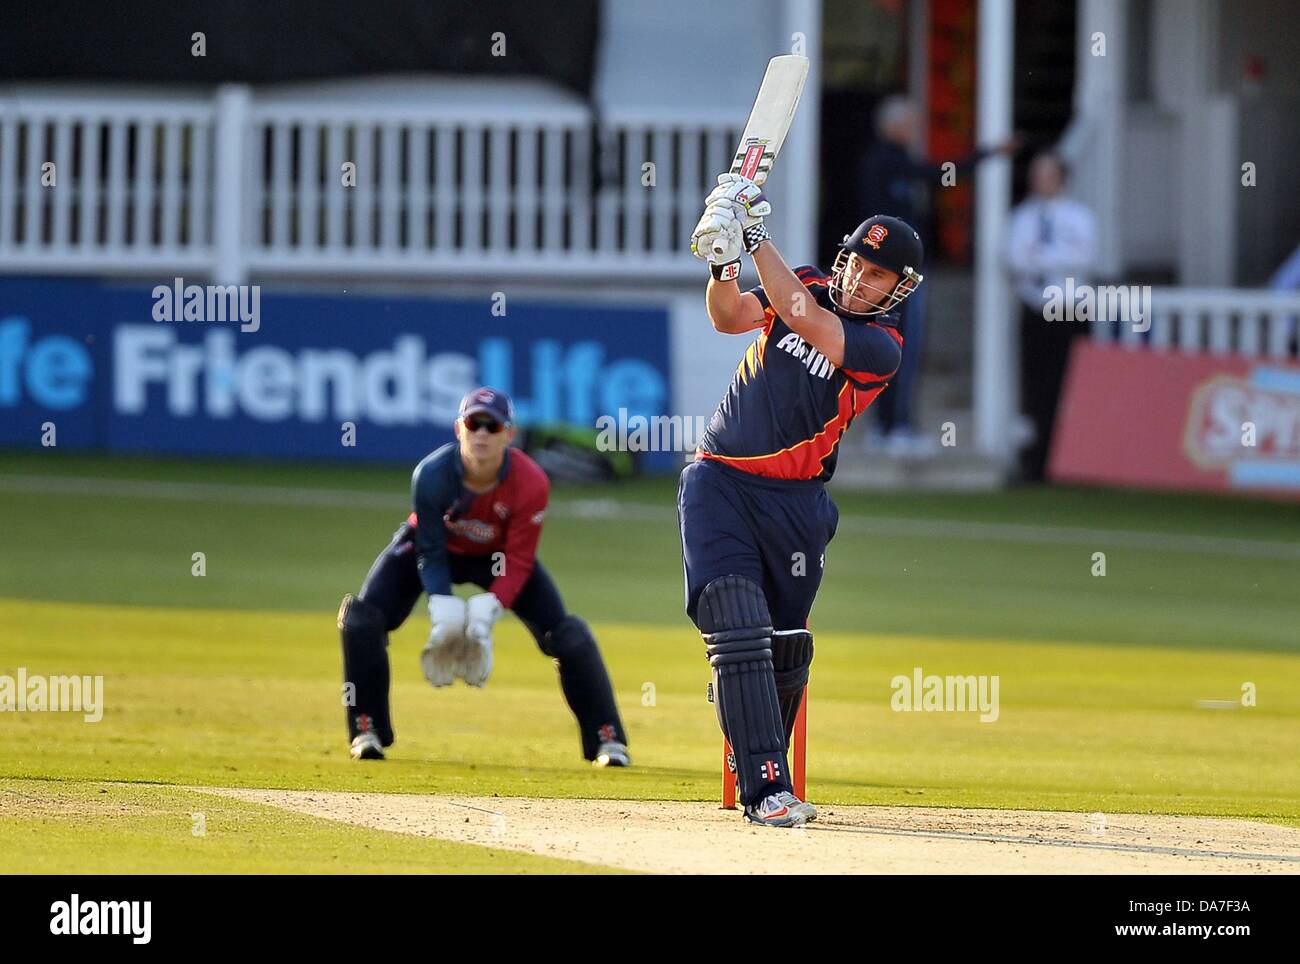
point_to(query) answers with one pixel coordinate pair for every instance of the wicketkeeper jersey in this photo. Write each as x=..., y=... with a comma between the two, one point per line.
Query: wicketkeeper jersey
x=788, y=406
x=448, y=518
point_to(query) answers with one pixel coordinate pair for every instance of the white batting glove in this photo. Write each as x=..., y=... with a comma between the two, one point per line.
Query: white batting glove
x=750, y=203
x=442, y=656
x=481, y=615
x=719, y=225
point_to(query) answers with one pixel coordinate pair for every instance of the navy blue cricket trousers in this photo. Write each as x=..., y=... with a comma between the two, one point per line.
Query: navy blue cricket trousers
x=771, y=531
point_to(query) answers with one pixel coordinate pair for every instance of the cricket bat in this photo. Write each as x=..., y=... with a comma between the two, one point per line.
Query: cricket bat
x=770, y=120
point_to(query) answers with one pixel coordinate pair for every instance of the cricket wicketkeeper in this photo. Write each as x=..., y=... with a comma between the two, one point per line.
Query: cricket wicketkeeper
x=754, y=513
x=479, y=507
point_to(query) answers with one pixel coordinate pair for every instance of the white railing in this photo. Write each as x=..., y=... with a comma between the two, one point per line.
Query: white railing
x=239, y=183
x=1222, y=321
x=130, y=183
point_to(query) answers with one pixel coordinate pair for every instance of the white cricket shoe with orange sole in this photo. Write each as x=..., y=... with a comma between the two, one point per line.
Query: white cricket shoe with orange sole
x=780, y=809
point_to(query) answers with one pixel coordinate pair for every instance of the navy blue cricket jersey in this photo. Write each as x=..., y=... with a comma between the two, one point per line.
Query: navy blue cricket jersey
x=788, y=406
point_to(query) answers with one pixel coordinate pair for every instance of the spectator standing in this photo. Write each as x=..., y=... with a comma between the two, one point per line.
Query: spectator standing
x=895, y=182
x=1051, y=238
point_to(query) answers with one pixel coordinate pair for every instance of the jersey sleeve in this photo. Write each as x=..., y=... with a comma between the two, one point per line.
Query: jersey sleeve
x=808, y=275
x=434, y=487
x=761, y=295
x=871, y=352
x=523, y=533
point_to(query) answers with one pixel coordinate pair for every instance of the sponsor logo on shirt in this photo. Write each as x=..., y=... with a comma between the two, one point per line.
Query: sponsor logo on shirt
x=813, y=360
x=475, y=530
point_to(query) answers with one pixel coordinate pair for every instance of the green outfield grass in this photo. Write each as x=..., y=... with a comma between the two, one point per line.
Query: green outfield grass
x=86, y=827
x=233, y=678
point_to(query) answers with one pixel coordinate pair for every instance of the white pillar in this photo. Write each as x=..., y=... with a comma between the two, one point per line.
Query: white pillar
x=1094, y=143
x=1209, y=125
x=994, y=400
x=798, y=165
x=228, y=184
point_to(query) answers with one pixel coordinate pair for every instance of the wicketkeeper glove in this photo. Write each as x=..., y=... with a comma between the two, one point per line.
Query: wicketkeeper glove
x=481, y=614
x=442, y=656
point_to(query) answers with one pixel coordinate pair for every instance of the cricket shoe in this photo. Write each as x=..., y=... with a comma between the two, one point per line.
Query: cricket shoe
x=367, y=747
x=612, y=754
x=780, y=809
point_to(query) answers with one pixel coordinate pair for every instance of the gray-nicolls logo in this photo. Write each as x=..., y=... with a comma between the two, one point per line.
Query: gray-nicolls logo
x=75, y=917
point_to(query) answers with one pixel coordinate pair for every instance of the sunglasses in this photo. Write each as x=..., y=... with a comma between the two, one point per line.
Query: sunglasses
x=475, y=422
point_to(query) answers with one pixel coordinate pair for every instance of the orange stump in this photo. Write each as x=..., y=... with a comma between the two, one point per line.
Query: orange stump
x=798, y=759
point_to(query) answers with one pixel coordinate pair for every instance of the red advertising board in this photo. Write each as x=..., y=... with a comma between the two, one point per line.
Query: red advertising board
x=1143, y=417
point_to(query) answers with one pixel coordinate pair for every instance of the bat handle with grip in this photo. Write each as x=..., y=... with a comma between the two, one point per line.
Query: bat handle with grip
x=760, y=177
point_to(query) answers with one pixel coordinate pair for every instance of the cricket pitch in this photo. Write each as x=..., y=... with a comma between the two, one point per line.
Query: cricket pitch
x=680, y=838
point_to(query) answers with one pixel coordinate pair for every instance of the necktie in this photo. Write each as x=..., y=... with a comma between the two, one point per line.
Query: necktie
x=1044, y=237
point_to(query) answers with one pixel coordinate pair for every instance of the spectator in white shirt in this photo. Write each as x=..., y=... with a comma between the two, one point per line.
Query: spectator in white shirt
x=1051, y=238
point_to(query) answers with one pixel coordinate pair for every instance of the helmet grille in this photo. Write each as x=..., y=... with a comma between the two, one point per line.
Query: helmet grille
x=865, y=299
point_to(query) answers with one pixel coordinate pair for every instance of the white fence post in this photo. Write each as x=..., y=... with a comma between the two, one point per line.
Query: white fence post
x=228, y=184
x=994, y=401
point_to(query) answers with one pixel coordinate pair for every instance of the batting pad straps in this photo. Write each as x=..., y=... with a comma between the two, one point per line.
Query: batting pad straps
x=739, y=645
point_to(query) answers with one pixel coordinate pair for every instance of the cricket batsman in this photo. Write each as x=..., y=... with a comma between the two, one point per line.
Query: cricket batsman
x=479, y=506
x=754, y=513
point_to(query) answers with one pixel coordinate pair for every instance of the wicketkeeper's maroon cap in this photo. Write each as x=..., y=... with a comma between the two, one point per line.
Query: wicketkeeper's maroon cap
x=492, y=402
